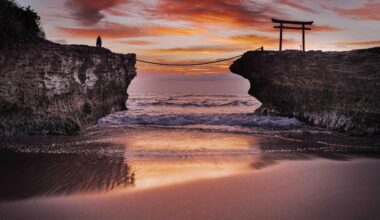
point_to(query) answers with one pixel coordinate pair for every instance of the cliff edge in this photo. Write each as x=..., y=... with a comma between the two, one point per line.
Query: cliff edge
x=336, y=90
x=48, y=88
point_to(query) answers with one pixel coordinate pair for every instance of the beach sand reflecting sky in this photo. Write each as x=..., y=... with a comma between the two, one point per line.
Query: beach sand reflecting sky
x=123, y=159
x=170, y=157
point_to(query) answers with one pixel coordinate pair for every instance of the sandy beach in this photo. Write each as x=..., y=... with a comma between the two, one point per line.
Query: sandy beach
x=311, y=189
x=157, y=173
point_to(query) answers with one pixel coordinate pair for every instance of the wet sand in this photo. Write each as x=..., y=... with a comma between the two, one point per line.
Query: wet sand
x=316, y=189
x=156, y=173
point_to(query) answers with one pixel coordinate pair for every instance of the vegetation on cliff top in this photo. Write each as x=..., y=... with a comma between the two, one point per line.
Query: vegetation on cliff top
x=18, y=24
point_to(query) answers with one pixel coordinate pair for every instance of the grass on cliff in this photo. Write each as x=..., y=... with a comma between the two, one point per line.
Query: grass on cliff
x=18, y=24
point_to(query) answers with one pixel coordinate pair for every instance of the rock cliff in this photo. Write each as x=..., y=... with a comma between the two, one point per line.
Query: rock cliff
x=336, y=90
x=48, y=88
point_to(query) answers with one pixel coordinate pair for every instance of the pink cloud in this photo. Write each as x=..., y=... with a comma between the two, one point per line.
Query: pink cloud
x=90, y=12
x=367, y=11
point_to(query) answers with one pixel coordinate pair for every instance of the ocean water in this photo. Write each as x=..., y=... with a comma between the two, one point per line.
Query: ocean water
x=228, y=112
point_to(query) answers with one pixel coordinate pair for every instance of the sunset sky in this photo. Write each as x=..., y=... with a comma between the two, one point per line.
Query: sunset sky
x=200, y=30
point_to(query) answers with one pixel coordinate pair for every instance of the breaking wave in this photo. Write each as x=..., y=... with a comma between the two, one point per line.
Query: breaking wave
x=251, y=120
x=197, y=111
x=196, y=104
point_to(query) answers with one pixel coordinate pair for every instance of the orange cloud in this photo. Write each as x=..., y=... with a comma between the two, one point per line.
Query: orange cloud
x=232, y=12
x=197, y=70
x=314, y=28
x=235, y=13
x=367, y=11
x=114, y=30
x=195, y=50
x=160, y=30
x=150, y=70
x=258, y=40
x=324, y=28
x=137, y=42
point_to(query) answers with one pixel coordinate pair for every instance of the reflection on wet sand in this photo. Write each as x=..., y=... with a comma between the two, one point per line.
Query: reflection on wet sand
x=141, y=159
x=25, y=175
x=169, y=157
x=164, y=157
x=155, y=173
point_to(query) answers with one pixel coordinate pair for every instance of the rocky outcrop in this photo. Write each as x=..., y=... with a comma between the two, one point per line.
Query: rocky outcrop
x=336, y=90
x=47, y=88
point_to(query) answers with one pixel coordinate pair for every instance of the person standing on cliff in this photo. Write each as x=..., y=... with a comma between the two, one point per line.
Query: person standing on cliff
x=99, y=42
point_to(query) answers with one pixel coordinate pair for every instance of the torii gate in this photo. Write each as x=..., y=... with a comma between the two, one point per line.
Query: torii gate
x=303, y=28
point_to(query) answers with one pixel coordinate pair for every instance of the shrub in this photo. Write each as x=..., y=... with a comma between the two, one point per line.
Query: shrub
x=18, y=24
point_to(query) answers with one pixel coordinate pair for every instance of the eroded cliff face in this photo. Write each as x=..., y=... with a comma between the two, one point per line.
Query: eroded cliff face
x=336, y=90
x=48, y=88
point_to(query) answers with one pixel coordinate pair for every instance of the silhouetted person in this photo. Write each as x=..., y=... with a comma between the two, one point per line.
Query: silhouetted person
x=133, y=176
x=99, y=42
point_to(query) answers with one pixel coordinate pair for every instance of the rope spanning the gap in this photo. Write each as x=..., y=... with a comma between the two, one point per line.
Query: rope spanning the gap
x=188, y=64
x=194, y=64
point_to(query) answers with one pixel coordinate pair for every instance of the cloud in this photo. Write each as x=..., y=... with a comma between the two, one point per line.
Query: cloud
x=359, y=43
x=115, y=30
x=110, y=31
x=158, y=55
x=325, y=28
x=90, y=12
x=367, y=11
x=137, y=42
x=314, y=28
x=257, y=40
x=206, y=12
x=217, y=68
x=162, y=30
x=300, y=5
x=196, y=50
x=231, y=14
x=116, y=12
x=253, y=42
